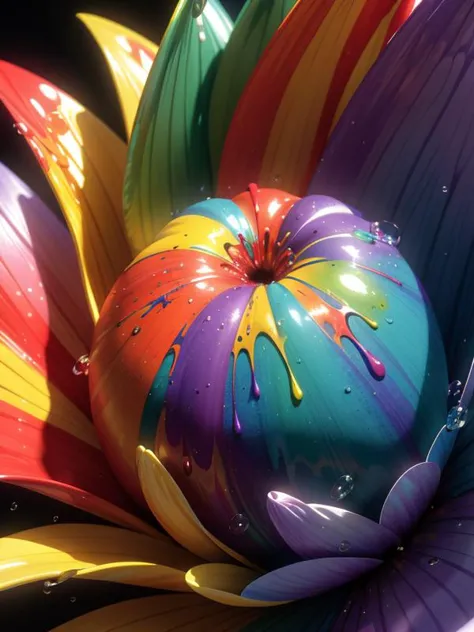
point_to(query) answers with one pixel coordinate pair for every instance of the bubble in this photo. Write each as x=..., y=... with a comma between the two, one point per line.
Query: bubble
x=457, y=418
x=239, y=524
x=344, y=546
x=13, y=506
x=81, y=366
x=434, y=561
x=348, y=390
x=343, y=487
x=386, y=232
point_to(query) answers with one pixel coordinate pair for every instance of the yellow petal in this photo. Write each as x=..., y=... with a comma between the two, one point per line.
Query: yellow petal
x=173, y=512
x=164, y=613
x=84, y=162
x=129, y=56
x=224, y=583
x=92, y=552
x=22, y=386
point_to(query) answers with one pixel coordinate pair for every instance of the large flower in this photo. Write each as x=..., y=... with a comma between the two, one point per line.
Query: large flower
x=231, y=105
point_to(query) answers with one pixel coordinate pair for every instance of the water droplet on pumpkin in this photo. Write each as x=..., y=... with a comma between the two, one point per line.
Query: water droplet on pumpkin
x=386, y=232
x=343, y=487
x=348, y=390
x=136, y=330
x=344, y=546
x=444, y=189
x=434, y=561
x=13, y=506
x=190, y=300
x=389, y=321
x=239, y=524
x=457, y=418
x=81, y=366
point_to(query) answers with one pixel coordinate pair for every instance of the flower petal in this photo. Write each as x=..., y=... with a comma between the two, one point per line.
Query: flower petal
x=173, y=512
x=308, y=578
x=164, y=613
x=168, y=163
x=322, y=531
x=442, y=447
x=224, y=583
x=458, y=476
x=283, y=119
x=256, y=23
x=409, y=497
x=92, y=552
x=84, y=162
x=129, y=56
x=402, y=152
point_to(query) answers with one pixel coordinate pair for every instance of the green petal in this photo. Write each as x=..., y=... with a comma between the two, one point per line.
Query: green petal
x=168, y=166
x=257, y=22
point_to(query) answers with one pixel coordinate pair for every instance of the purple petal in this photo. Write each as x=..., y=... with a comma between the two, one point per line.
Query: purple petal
x=442, y=447
x=409, y=497
x=309, y=578
x=322, y=531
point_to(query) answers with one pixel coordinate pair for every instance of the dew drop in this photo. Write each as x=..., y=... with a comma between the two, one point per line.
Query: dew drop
x=187, y=466
x=344, y=546
x=400, y=549
x=386, y=232
x=47, y=587
x=208, y=319
x=454, y=393
x=457, y=418
x=72, y=599
x=55, y=518
x=81, y=366
x=239, y=524
x=248, y=330
x=389, y=321
x=459, y=524
x=298, y=360
x=13, y=506
x=434, y=561
x=444, y=189
x=190, y=300
x=343, y=487
x=348, y=390
x=136, y=330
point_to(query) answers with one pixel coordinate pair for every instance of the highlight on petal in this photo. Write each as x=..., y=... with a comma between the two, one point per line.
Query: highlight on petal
x=409, y=497
x=84, y=162
x=173, y=512
x=257, y=22
x=322, y=531
x=92, y=552
x=402, y=153
x=308, y=578
x=129, y=56
x=163, y=613
x=224, y=583
x=168, y=165
x=304, y=80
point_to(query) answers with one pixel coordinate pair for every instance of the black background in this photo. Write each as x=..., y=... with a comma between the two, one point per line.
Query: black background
x=46, y=38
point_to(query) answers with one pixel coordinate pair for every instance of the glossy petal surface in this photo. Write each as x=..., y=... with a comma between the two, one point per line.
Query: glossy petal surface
x=129, y=56
x=257, y=22
x=335, y=369
x=304, y=80
x=47, y=441
x=168, y=161
x=409, y=497
x=95, y=552
x=166, y=613
x=84, y=162
x=402, y=152
x=309, y=578
x=224, y=583
x=314, y=531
